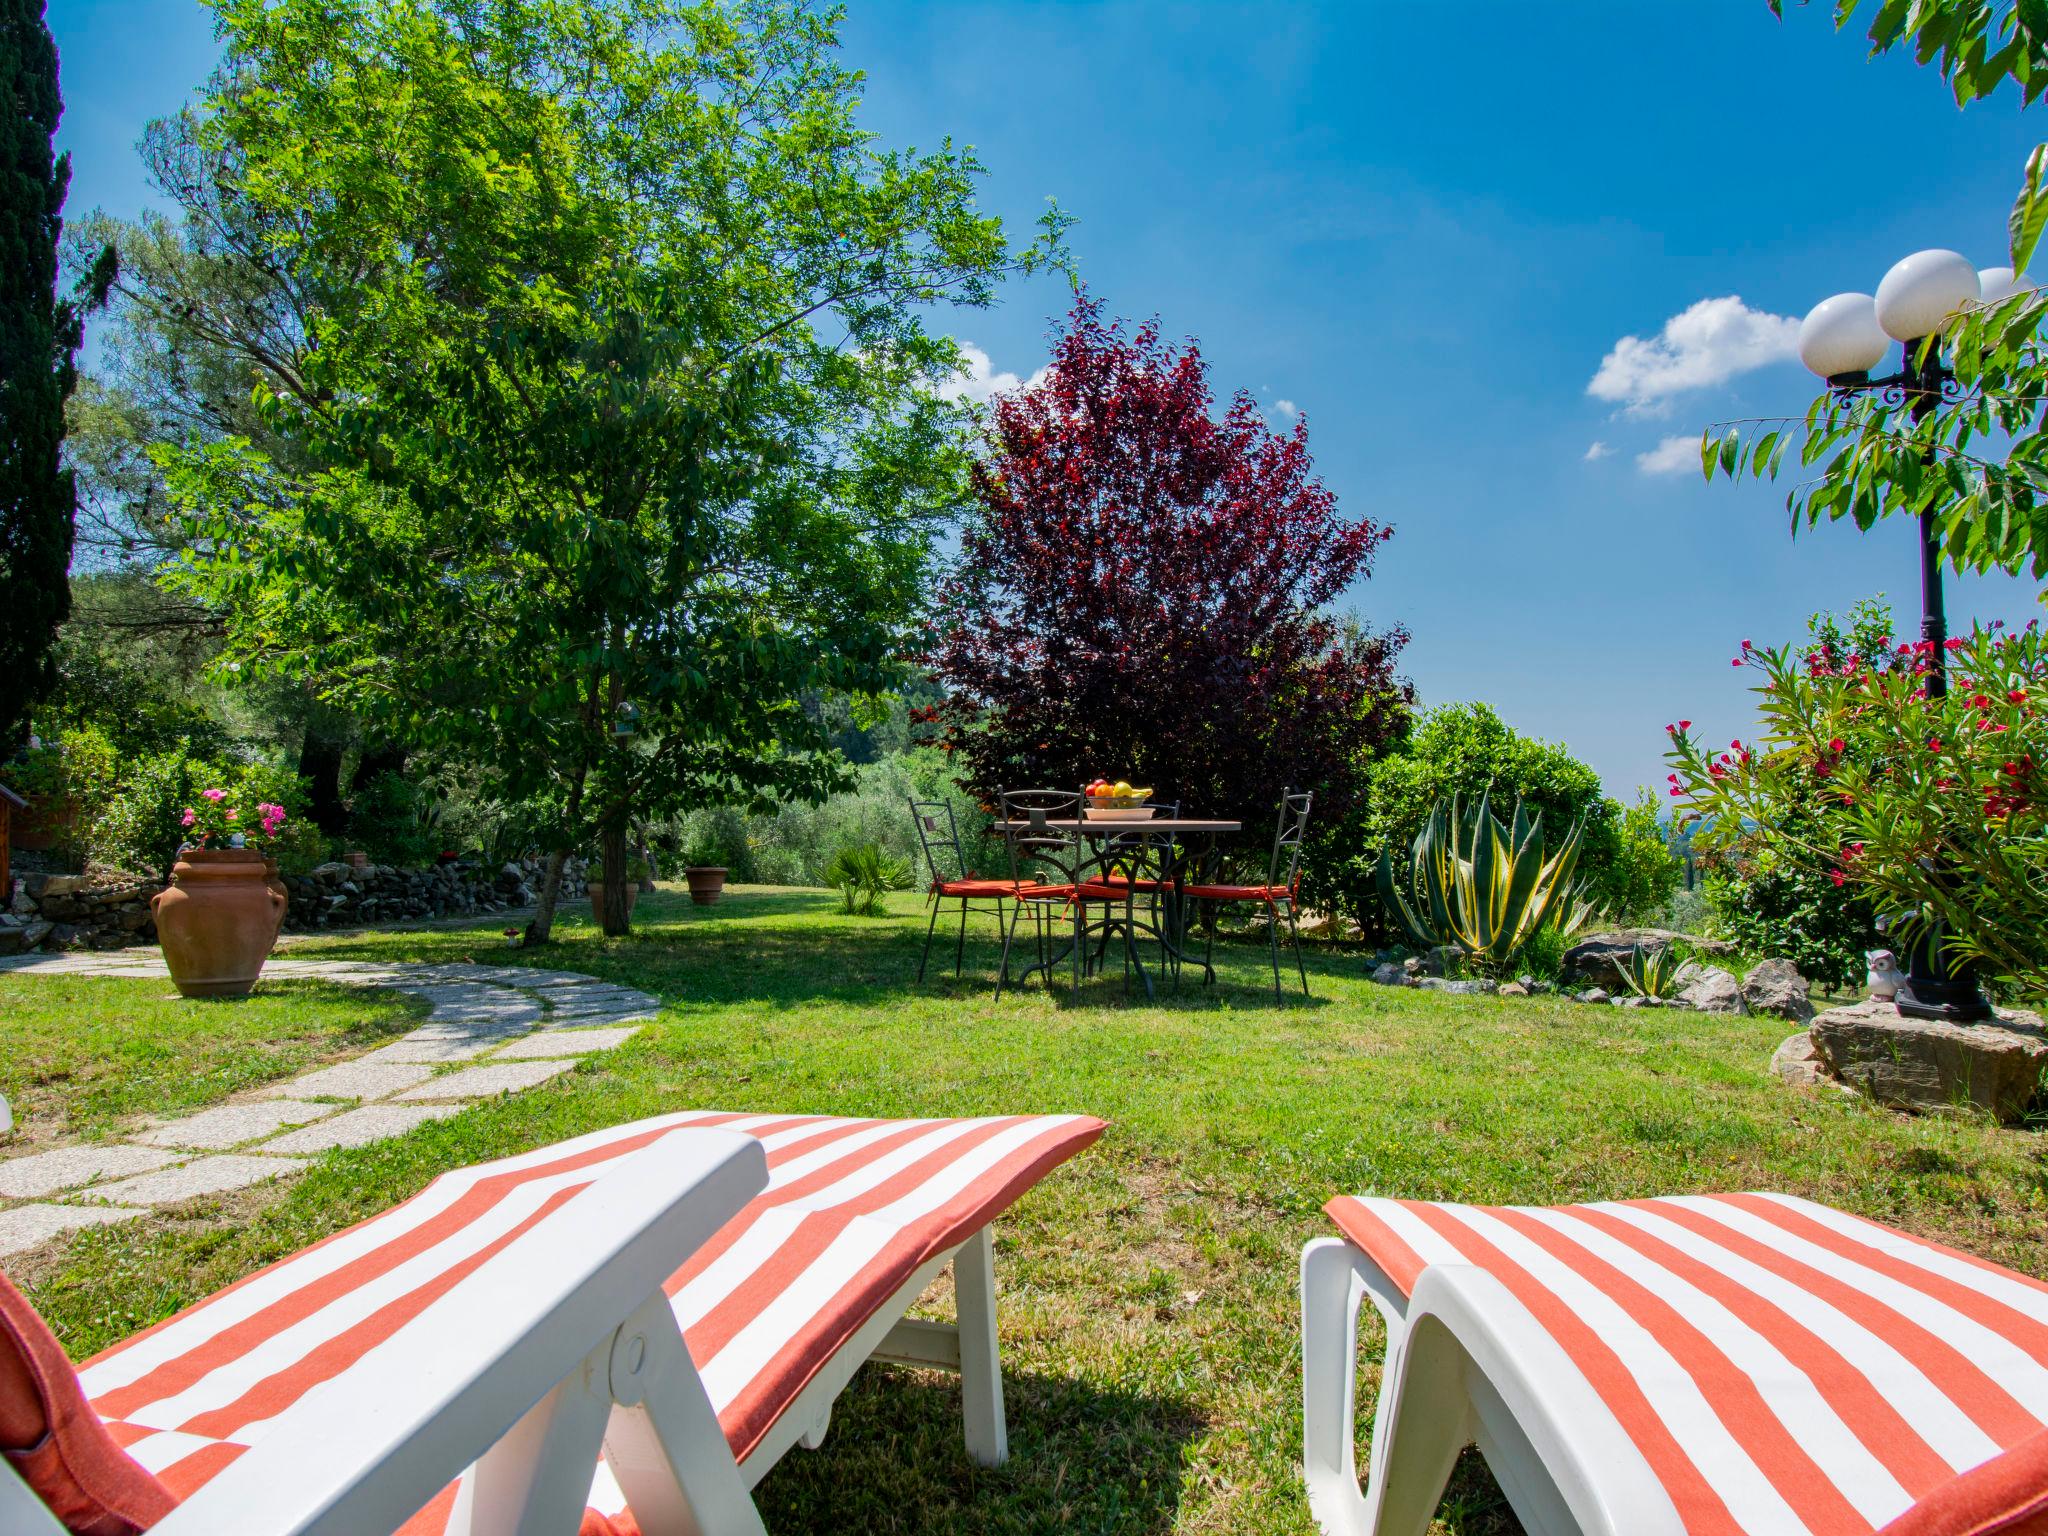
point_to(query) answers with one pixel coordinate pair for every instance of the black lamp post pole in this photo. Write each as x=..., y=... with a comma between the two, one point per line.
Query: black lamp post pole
x=1936, y=987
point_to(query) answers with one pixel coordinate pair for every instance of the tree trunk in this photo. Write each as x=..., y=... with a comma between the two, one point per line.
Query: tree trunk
x=542, y=926
x=381, y=756
x=320, y=766
x=612, y=849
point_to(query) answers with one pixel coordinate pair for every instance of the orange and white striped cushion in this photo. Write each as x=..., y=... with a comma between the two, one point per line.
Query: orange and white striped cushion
x=852, y=1209
x=1775, y=1365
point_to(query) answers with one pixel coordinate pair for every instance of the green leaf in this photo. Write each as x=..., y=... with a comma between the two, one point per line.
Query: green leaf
x=2029, y=211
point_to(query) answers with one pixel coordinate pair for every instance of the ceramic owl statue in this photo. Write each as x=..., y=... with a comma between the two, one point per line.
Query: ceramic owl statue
x=1884, y=974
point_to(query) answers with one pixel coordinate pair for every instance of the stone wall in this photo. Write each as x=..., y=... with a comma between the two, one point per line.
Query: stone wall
x=57, y=911
x=342, y=896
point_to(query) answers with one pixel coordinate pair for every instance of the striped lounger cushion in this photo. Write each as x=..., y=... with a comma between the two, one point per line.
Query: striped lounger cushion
x=1777, y=1366
x=852, y=1209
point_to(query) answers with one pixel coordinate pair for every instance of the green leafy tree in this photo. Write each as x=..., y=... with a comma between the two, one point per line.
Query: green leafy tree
x=1976, y=457
x=38, y=336
x=621, y=432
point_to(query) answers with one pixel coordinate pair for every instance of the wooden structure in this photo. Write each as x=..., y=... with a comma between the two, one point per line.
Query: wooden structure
x=10, y=805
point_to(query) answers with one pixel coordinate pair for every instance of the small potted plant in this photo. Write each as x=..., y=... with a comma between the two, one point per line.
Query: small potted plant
x=704, y=868
x=220, y=915
x=594, y=877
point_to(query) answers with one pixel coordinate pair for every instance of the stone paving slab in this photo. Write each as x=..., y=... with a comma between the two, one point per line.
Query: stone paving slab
x=486, y=1081
x=592, y=1019
x=203, y=1176
x=360, y=1127
x=564, y=1042
x=44, y=1173
x=229, y=1125
x=355, y=1080
x=435, y=1049
x=26, y=1225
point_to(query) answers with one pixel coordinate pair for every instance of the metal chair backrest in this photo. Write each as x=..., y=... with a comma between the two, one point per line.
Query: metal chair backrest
x=1042, y=843
x=938, y=830
x=1288, y=836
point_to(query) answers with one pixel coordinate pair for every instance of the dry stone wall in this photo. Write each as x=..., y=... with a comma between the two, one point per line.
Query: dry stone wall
x=56, y=911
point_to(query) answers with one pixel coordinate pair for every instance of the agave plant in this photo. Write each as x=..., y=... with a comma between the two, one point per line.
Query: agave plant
x=1651, y=972
x=1483, y=888
x=862, y=872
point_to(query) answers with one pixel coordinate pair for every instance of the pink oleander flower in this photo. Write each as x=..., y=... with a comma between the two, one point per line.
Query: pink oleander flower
x=214, y=794
x=188, y=818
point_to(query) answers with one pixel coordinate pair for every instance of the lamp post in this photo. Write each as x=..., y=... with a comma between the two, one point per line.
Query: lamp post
x=1842, y=339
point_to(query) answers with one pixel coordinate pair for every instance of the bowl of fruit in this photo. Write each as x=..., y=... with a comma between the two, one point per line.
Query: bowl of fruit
x=1117, y=801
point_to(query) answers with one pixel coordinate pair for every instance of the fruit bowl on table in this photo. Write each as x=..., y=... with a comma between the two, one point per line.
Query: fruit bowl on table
x=1119, y=807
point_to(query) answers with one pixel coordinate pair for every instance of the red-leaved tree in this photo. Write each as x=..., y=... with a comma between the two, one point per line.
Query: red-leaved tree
x=1143, y=593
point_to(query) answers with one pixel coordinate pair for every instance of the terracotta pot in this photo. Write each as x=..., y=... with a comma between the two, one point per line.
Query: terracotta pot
x=706, y=881
x=217, y=920
x=355, y=858
x=280, y=890
x=596, y=893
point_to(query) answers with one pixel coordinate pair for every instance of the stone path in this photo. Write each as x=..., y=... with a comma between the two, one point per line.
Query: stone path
x=491, y=1030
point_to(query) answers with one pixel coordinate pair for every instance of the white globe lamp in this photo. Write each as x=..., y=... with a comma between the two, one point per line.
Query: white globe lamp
x=1921, y=294
x=1841, y=335
x=1997, y=284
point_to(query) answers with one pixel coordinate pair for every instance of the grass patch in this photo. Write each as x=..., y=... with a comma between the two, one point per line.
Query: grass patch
x=1150, y=1325
x=81, y=1055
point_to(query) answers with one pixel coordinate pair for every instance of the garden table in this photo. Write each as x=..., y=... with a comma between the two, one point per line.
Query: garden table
x=1116, y=843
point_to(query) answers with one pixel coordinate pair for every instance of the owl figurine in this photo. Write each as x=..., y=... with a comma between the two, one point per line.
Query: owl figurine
x=1884, y=975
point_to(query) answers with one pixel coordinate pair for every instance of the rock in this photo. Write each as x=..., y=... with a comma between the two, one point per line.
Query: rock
x=1591, y=995
x=1798, y=1061
x=1314, y=925
x=1457, y=988
x=1390, y=975
x=1598, y=956
x=1930, y=1064
x=331, y=873
x=1775, y=986
x=1412, y=966
x=1513, y=989
x=1637, y=1000
x=1709, y=989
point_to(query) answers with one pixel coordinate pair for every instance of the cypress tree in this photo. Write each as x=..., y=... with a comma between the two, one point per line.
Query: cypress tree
x=38, y=336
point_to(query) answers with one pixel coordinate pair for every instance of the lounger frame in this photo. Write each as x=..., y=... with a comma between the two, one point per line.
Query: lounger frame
x=1460, y=1370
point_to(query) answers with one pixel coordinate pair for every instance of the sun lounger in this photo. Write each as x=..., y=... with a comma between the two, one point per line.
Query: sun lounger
x=684, y=1295
x=1746, y=1363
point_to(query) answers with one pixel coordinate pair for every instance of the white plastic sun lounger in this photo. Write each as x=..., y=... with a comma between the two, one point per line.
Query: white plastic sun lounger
x=1751, y=1364
x=673, y=1303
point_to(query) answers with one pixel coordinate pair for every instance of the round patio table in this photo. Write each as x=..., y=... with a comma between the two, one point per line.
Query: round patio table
x=1112, y=844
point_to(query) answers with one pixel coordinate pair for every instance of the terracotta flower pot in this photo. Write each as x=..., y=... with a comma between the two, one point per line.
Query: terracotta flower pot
x=706, y=882
x=217, y=920
x=280, y=890
x=596, y=893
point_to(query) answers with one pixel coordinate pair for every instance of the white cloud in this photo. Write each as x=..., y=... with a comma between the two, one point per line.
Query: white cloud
x=1287, y=408
x=1597, y=452
x=1672, y=456
x=979, y=381
x=1708, y=344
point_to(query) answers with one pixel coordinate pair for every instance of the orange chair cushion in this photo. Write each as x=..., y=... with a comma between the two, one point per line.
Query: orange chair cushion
x=56, y=1443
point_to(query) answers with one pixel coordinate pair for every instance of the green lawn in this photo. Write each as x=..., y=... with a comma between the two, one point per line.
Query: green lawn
x=1150, y=1325
x=79, y=1055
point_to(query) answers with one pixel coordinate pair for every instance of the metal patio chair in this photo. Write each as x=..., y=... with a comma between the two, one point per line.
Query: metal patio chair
x=938, y=834
x=1277, y=894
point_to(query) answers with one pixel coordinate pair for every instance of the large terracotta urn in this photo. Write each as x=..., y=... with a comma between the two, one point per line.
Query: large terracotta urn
x=706, y=882
x=217, y=920
x=595, y=891
x=283, y=893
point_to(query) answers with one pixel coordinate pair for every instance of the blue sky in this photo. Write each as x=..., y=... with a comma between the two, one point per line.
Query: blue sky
x=1427, y=227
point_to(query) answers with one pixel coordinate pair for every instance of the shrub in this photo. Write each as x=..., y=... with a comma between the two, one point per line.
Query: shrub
x=1466, y=750
x=1768, y=904
x=1483, y=888
x=396, y=821
x=862, y=873
x=1645, y=872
